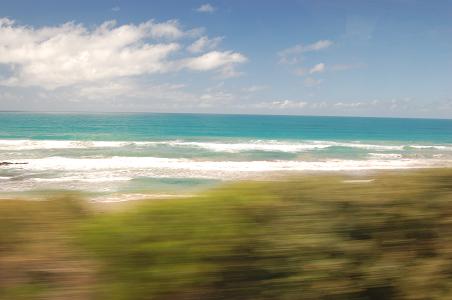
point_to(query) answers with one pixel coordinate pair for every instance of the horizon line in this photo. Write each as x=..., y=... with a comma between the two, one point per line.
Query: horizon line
x=213, y=113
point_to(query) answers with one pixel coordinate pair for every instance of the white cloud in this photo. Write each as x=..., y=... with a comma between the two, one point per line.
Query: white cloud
x=318, y=105
x=319, y=45
x=345, y=107
x=292, y=55
x=204, y=43
x=216, y=97
x=318, y=68
x=123, y=94
x=206, y=8
x=116, y=8
x=71, y=54
x=228, y=71
x=350, y=104
x=224, y=61
x=282, y=104
x=321, y=67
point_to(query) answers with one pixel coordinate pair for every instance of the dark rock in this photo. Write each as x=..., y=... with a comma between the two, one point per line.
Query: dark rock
x=7, y=163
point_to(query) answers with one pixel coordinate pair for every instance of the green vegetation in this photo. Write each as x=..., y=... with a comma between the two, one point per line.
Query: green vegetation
x=315, y=237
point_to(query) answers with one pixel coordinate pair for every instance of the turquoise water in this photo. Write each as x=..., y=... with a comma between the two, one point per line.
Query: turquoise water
x=131, y=127
x=168, y=153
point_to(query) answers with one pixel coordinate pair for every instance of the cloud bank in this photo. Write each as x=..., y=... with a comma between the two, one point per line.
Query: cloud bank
x=72, y=54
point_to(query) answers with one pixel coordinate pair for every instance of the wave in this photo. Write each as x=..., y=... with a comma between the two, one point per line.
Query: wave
x=230, y=147
x=386, y=155
x=152, y=166
x=114, y=173
x=84, y=178
x=53, y=144
x=433, y=147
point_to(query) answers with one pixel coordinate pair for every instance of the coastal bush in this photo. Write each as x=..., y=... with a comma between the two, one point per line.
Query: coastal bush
x=314, y=237
x=310, y=238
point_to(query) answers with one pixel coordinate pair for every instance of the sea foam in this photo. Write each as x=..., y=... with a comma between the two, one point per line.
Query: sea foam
x=215, y=146
x=157, y=163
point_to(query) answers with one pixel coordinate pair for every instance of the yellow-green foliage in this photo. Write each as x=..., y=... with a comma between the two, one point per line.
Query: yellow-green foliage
x=315, y=237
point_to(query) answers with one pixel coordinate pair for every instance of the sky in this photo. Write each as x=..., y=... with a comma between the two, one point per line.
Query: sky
x=389, y=58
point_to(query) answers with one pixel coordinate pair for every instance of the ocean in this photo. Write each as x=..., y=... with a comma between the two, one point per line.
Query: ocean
x=118, y=155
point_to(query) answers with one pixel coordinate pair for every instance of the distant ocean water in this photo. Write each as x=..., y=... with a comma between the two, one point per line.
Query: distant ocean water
x=130, y=154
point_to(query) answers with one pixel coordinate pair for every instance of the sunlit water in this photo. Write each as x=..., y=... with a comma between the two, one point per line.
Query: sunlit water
x=166, y=154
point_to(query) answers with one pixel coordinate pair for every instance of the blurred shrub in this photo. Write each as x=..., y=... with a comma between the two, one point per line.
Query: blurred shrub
x=315, y=237
x=312, y=238
x=36, y=258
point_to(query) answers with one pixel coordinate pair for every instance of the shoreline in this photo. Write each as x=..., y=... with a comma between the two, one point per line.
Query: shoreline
x=351, y=177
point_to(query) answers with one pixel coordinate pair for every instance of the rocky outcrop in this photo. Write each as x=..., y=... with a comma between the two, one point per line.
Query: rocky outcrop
x=7, y=163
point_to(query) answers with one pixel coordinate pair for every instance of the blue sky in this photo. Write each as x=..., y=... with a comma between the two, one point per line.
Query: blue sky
x=357, y=58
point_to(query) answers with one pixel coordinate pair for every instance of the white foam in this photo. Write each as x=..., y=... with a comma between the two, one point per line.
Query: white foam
x=84, y=178
x=367, y=146
x=51, y=144
x=110, y=174
x=255, y=146
x=156, y=164
x=232, y=147
x=386, y=155
x=434, y=147
x=211, y=146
